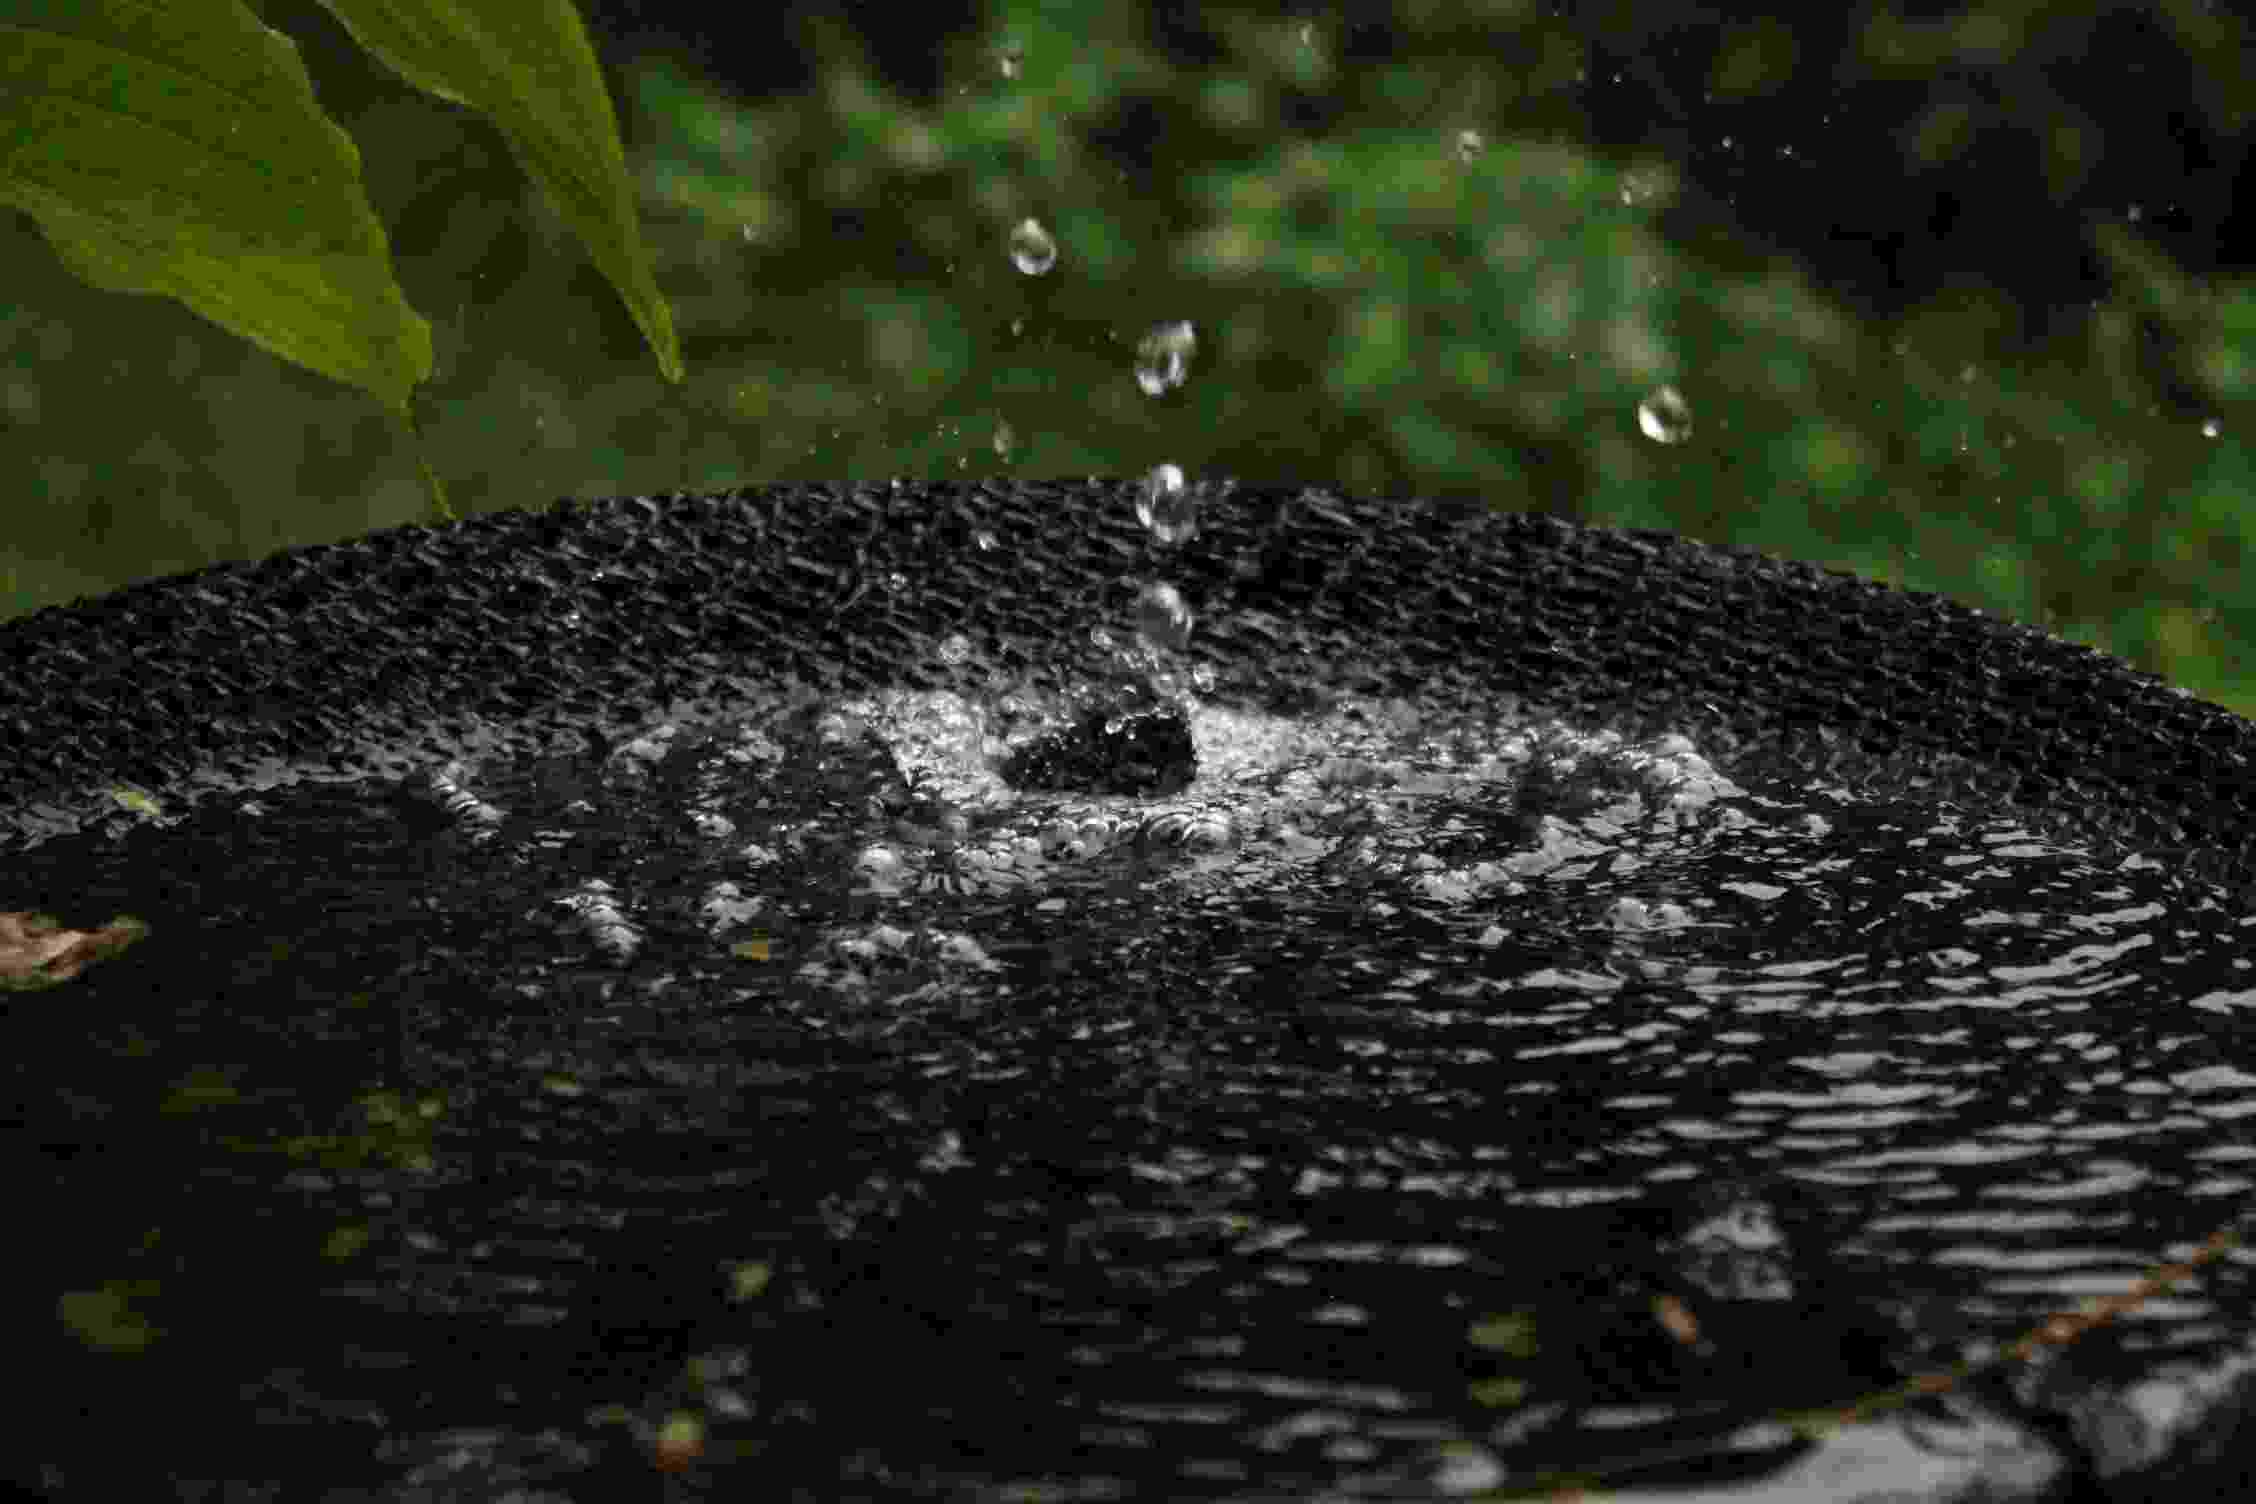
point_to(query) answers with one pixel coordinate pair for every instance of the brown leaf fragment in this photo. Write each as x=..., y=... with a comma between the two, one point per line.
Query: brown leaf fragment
x=36, y=951
x=1677, y=1320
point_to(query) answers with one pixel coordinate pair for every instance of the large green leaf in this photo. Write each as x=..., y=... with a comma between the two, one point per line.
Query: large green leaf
x=527, y=66
x=174, y=146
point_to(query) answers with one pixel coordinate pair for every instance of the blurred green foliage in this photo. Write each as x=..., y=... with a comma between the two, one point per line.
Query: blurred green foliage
x=1442, y=292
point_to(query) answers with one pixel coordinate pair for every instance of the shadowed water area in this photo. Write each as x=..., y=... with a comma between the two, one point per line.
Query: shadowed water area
x=1019, y=1066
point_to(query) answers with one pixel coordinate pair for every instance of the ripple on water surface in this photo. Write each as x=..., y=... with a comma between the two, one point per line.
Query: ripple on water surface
x=1223, y=1102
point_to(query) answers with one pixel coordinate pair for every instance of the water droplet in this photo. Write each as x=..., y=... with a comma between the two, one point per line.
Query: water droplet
x=985, y=539
x=1165, y=506
x=1469, y=145
x=2210, y=428
x=1665, y=417
x=1307, y=34
x=1162, y=620
x=1010, y=57
x=1032, y=250
x=1005, y=440
x=1163, y=358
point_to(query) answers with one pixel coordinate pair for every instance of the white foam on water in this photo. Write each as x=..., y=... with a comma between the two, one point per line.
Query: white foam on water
x=1442, y=817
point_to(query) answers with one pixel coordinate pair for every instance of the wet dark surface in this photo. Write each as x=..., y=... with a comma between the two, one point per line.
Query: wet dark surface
x=1386, y=1118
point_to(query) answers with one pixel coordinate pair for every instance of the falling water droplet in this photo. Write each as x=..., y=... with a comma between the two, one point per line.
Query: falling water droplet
x=1163, y=358
x=1165, y=506
x=1665, y=417
x=1162, y=620
x=1032, y=250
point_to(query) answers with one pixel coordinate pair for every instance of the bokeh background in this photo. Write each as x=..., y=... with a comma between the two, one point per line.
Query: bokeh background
x=1955, y=297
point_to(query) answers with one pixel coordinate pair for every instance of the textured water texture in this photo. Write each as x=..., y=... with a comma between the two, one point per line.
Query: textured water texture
x=521, y=631
x=943, y=1071
x=1344, y=1119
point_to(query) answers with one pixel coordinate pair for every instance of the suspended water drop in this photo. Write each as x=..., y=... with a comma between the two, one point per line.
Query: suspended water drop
x=1163, y=358
x=1005, y=440
x=1162, y=620
x=1032, y=250
x=1165, y=506
x=2210, y=428
x=1469, y=145
x=1009, y=57
x=1665, y=417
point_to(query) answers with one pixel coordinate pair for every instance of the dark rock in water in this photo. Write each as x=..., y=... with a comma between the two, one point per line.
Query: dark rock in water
x=1139, y=753
x=745, y=984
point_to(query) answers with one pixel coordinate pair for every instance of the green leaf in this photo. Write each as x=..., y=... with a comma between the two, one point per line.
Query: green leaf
x=176, y=148
x=527, y=66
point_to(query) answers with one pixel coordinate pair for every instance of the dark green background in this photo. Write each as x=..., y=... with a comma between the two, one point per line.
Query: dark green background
x=2002, y=398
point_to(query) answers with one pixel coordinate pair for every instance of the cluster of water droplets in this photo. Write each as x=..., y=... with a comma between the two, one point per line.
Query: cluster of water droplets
x=1165, y=351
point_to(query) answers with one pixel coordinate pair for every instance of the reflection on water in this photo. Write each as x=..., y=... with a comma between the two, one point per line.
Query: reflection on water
x=1162, y=1101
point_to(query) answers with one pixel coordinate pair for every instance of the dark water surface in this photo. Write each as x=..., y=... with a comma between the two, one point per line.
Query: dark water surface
x=911, y=1100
